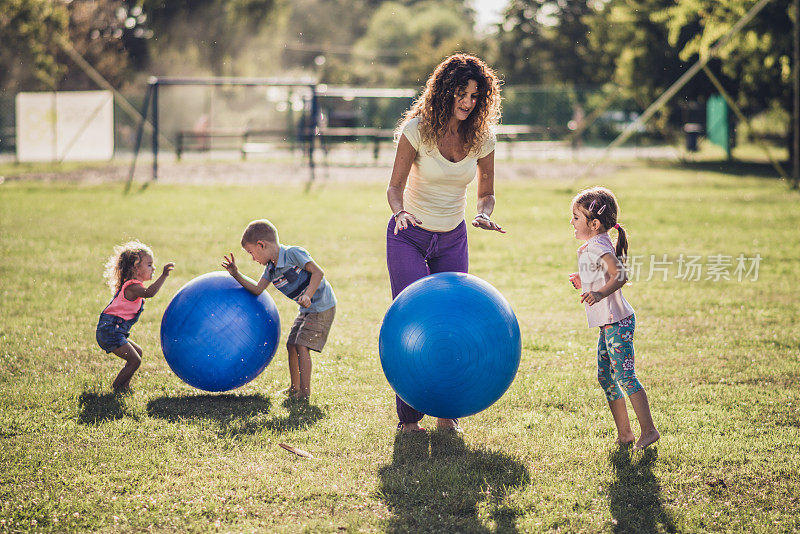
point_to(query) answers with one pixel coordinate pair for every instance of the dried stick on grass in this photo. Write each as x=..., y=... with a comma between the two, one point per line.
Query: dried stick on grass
x=298, y=452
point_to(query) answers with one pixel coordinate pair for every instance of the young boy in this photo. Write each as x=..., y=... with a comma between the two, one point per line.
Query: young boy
x=294, y=274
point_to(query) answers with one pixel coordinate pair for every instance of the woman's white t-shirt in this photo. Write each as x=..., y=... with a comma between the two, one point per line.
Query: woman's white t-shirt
x=436, y=192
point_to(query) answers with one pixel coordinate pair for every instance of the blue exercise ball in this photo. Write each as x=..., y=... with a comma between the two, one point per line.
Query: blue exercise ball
x=216, y=335
x=450, y=345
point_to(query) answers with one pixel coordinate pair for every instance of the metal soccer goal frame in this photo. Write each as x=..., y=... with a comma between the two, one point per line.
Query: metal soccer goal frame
x=306, y=134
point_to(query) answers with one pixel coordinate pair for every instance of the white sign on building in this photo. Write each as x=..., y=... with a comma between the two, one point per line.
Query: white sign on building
x=65, y=126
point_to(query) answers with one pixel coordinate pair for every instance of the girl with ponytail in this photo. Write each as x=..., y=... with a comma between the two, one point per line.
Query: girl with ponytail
x=600, y=277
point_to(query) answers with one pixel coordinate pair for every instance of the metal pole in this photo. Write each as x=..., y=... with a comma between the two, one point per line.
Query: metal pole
x=139, y=132
x=796, y=69
x=55, y=126
x=155, y=130
x=312, y=135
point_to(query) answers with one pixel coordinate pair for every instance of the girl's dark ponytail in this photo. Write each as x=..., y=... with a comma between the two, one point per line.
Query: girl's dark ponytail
x=622, y=243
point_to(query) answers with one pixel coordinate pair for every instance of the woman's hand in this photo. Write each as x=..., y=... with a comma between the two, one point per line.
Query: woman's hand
x=592, y=297
x=403, y=159
x=405, y=219
x=483, y=221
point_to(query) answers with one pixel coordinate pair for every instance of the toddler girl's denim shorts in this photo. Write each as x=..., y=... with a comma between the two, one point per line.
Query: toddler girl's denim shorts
x=112, y=331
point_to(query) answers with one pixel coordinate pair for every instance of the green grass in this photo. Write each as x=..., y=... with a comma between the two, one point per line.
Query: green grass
x=720, y=362
x=14, y=169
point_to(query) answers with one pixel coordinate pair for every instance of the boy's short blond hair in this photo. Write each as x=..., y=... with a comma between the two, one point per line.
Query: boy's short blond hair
x=260, y=230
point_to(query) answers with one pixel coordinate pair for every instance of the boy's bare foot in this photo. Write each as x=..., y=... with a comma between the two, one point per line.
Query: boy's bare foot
x=647, y=439
x=298, y=396
x=289, y=391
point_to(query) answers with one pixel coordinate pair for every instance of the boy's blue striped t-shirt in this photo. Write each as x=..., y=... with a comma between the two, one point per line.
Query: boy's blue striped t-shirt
x=290, y=278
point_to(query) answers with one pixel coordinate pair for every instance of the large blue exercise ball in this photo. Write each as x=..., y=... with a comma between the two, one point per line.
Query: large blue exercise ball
x=216, y=335
x=450, y=345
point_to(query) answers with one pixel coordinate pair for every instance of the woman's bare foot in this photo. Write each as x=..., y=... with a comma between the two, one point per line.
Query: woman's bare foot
x=448, y=424
x=409, y=427
x=647, y=439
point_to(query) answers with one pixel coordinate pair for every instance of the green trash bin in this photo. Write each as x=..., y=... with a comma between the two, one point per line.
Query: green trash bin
x=718, y=124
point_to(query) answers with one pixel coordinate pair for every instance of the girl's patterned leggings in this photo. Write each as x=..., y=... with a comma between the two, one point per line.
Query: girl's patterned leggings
x=615, y=359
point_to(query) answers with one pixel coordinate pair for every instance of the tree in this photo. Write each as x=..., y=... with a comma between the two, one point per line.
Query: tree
x=550, y=42
x=28, y=30
x=218, y=37
x=108, y=35
x=35, y=33
x=755, y=66
x=403, y=43
x=653, y=42
x=646, y=58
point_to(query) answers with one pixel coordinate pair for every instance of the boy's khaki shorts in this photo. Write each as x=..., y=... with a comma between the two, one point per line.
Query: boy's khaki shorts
x=311, y=329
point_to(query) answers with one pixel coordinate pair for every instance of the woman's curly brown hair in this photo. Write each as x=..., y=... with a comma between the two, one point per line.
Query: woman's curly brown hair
x=435, y=106
x=121, y=266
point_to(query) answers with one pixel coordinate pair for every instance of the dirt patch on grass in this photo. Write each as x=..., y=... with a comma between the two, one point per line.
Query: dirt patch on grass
x=270, y=172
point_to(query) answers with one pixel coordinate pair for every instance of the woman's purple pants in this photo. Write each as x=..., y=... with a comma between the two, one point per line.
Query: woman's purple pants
x=415, y=253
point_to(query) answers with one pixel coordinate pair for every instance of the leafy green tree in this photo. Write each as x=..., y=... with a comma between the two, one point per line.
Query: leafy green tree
x=103, y=32
x=218, y=37
x=645, y=62
x=653, y=42
x=28, y=30
x=551, y=42
x=756, y=65
x=319, y=36
x=646, y=57
x=403, y=43
x=36, y=33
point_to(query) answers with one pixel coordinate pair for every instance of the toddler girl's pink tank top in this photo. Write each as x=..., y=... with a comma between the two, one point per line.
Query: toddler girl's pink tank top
x=122, y=307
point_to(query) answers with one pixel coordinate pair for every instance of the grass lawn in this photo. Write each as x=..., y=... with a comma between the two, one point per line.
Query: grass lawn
x=720, y=360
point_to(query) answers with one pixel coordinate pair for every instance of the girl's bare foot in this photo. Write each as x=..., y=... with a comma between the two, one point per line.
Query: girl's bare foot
x=647, y=439
x=626, y=439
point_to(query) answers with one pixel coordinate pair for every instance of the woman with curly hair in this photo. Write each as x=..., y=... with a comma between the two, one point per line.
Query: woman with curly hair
x=444, y=140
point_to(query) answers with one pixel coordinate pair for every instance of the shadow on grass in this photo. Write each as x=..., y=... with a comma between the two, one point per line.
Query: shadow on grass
x=635, y=494
x=302, y=414
x=97, y=408
x=436, y=483
x=756, y=169
x=234, y=414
